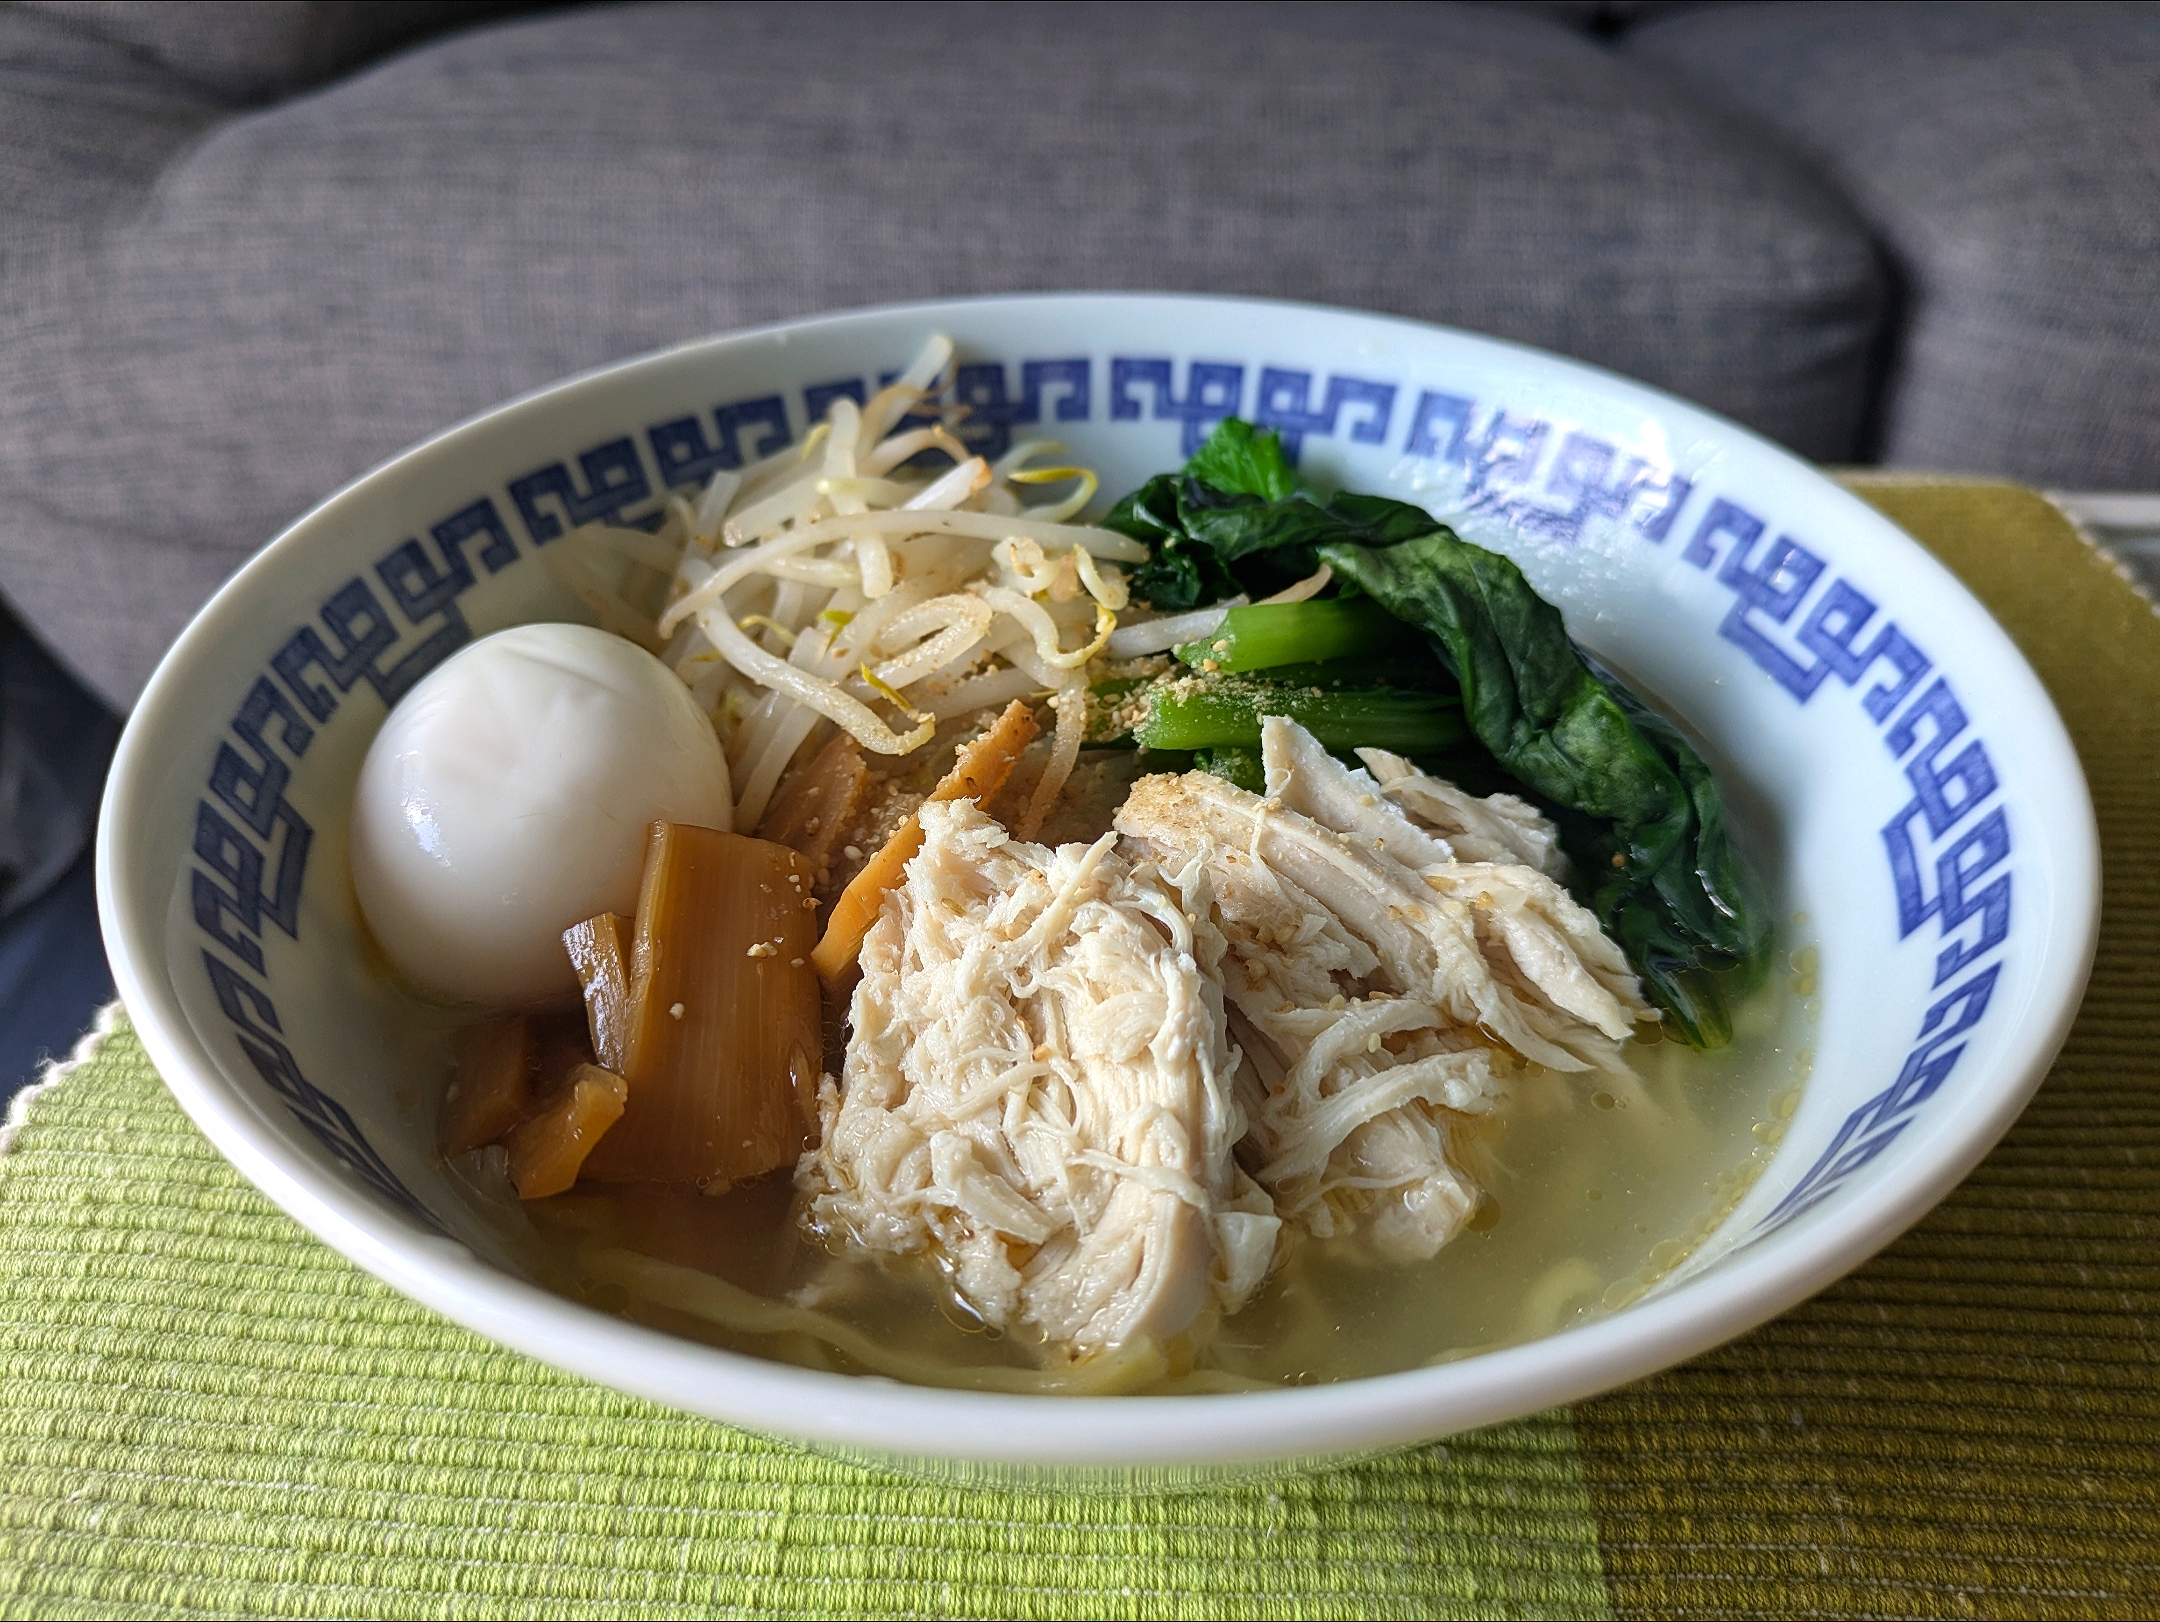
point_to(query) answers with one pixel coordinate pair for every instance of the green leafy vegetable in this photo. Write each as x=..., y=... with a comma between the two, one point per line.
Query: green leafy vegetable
x=1270, y=634
x=1234, y=763
x=1259, y=532
x=1242, y=460
x=1659, y=868
x=1178, y=573
x=1637, y=806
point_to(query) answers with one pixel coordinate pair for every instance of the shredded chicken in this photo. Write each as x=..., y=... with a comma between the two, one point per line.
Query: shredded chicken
x=1381, y=987
x=1038, y=1092
x=1496, y=828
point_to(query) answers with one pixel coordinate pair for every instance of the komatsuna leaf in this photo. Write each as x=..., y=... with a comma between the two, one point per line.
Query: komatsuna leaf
x=1660, y=870
x=1179, y=573
x=1242, y=460
x=1235, y=518
x=1206, y=543
x=1382, y=520
x=1264, y=545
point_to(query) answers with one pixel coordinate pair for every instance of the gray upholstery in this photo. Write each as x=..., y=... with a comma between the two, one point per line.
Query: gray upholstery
x=245, y=51
x=301, y=290
x=85, y=129
x=2009, y=156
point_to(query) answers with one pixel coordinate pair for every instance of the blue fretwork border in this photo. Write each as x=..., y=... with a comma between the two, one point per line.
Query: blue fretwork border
x=1947, y=848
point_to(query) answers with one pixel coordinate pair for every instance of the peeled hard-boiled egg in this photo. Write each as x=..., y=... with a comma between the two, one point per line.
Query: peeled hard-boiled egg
x=507, y=797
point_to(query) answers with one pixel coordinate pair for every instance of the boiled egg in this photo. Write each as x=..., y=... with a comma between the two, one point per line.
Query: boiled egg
x=507, y=797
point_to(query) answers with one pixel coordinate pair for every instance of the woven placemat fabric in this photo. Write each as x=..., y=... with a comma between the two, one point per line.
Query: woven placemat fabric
x=203, y=1410
x=1970, y=1424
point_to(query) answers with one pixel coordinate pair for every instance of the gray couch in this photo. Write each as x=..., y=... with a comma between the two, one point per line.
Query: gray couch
x=248, y=250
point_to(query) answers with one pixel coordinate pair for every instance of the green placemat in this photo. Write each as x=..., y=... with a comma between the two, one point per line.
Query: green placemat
x=1970, y=1424
x=202, y=1410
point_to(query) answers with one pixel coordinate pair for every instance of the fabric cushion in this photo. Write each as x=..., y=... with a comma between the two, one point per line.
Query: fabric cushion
x=246, y=51
x=2009, y=155
x=313, y=286
x=86, y=127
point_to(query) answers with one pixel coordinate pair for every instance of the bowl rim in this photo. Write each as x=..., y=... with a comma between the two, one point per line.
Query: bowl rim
x=884, y=1417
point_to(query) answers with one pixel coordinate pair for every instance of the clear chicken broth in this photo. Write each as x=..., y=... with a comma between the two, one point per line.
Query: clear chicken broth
x=1595, y=1191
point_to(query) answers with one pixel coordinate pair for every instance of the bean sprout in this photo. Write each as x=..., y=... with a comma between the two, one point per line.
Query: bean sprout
x=906, y=447
x=837, y=576
x=953, y=488
x=874, y=558
x=1100, y=543
x=1311, y=586
x=1037, y=619
x=1089, y=484
x=713, y=505
x=1160, y=636
x=962, y=620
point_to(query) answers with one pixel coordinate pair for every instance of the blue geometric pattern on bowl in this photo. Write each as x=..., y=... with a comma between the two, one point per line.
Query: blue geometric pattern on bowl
x=1947, y=849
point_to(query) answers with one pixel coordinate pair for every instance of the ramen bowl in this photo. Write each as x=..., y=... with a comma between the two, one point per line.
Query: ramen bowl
x=1897, y=768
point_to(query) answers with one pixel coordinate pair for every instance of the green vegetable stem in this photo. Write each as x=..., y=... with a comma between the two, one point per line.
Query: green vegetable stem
x=1639, y=811
x=1234, y=763
x=1200, y=713
x=1267, y=635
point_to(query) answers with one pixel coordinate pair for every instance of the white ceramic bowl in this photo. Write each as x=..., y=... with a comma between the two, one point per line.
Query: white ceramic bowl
x=1916, y=792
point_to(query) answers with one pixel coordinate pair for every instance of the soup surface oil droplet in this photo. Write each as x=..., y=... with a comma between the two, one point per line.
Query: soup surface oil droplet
x=1603, y=1100
x=1619, y=1295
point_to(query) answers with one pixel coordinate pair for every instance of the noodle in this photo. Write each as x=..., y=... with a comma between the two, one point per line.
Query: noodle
x=1070, y=702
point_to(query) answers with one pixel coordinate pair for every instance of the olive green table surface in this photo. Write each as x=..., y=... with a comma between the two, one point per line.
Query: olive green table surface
x=202, y=1409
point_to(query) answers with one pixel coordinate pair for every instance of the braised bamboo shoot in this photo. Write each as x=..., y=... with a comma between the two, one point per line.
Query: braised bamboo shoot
x=547, y=1152
x=818, y=803
x=600, y=951
x=491, y=1089
x=712, y=1015
x=977, y=774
